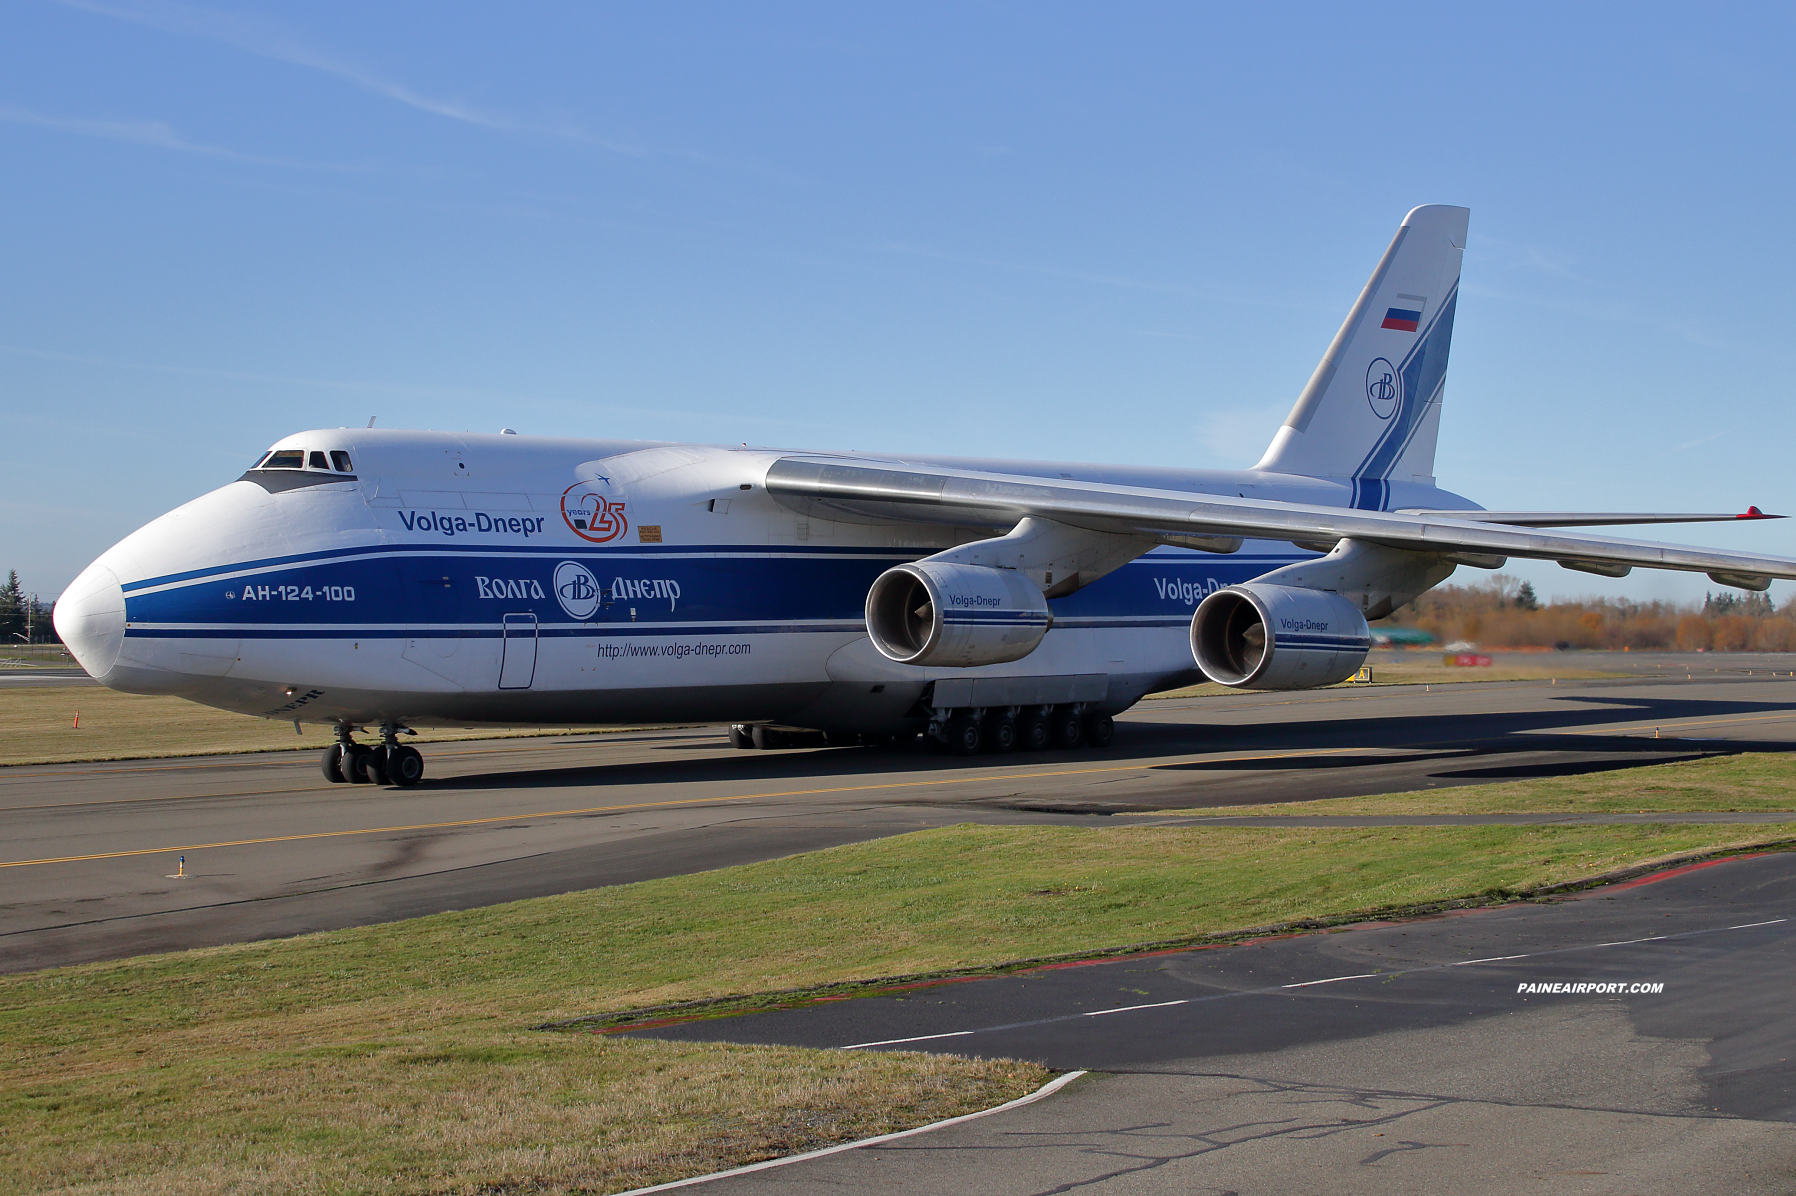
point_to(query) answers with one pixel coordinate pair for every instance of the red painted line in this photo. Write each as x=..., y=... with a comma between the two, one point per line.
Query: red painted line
x=1655, y=877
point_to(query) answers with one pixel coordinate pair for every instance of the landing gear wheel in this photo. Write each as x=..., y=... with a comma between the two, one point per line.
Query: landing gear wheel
x=405, y=767
x=1068, y=729
x=740, y=737
x=333, y=764
x=356, y=760
x=377, y=766
x=965, y=736
x=1000, y=735
x=1100, y=729
x=1034, y=734
x=766, y=738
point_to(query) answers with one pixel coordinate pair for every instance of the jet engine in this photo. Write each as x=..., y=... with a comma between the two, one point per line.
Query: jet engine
x=1278, y=637
x=940, y=613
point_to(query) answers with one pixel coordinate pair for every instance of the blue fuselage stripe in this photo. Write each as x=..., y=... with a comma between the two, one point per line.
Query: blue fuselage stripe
x=428, y=591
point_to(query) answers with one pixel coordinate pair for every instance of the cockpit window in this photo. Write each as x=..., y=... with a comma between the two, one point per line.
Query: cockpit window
x=263, y=457
x=342, y=461
x=286, y=459
x=317, y=461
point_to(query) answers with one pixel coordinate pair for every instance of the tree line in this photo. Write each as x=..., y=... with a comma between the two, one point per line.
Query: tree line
x=23, y=617
x=1502, y=612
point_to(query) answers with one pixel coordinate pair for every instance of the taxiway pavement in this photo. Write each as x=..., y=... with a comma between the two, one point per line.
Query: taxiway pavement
x=1387, y=1057
x=89, y=863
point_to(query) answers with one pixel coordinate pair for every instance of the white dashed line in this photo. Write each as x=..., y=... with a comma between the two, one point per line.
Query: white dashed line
x=919, y=1038
x=1303, y=984
x=1132, y=1008
x=1332, y=980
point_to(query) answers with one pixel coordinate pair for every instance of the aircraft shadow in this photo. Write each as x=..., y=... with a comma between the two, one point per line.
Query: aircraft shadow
x=1414, y=739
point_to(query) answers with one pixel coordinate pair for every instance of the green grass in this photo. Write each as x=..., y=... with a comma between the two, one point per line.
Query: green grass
x=397, y=1057
x=1754, y=781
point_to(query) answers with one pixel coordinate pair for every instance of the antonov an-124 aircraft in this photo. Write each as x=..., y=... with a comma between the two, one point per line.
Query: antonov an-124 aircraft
x=379, y=580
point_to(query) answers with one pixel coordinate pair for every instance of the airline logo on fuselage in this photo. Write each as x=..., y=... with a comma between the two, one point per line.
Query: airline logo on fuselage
x=1179, y=589
x=508, y=587
x=591, y=515
x=577, y=590
x=447, y=524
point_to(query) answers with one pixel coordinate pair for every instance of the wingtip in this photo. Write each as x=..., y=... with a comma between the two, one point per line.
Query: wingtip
x=1755, y=513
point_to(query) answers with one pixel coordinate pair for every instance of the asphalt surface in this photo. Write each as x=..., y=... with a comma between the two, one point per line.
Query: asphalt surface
x=1390, y=1057
x=40, y=677
x=89, y=866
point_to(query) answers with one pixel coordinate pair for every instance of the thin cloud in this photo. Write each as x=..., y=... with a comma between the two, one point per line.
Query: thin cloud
x=1240, y=433
x=1516, y=255
x=152, y=133
x=580, y=408
x=1690, y=444
x=1209, y=293
x=1109, y=280
x=267, y=40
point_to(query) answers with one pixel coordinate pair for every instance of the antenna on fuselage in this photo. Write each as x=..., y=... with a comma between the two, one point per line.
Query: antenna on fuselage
x=371, y=420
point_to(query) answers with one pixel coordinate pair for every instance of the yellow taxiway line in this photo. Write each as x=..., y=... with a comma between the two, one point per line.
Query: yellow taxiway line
x=651, y=805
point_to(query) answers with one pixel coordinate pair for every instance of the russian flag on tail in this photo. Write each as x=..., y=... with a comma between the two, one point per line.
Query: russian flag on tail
x=1406, y=316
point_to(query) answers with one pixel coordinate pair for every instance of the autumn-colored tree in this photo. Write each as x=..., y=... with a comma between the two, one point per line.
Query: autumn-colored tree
x=1500, y=613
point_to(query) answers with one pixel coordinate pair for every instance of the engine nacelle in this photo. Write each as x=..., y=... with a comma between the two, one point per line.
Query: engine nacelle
x=937, y=613
x=1278, y=637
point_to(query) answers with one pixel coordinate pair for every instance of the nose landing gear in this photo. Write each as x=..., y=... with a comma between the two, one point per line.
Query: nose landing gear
x=392, y=763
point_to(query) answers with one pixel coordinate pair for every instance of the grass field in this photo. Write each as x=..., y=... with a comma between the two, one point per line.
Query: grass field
x=397, y=1057
x=36, y=655
x=1754, y=781
x=40, y=724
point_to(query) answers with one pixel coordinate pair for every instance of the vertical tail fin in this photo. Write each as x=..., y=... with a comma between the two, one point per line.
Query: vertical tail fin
x=1371, y=411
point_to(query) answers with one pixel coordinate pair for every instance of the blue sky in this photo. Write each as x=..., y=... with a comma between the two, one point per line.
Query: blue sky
x=1115, y=233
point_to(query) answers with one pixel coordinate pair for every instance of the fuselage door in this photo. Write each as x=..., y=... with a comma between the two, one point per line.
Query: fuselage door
x=517, y=664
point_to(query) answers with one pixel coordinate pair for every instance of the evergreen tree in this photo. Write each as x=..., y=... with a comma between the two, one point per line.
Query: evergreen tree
x=12, y=609
x=1525, y=598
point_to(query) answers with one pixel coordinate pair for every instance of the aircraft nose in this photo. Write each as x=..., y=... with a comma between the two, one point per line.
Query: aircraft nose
x=90, y=618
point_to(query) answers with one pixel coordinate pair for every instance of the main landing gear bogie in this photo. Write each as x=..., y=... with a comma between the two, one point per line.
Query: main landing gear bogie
x=388, y=763
x=965, y=733
x=959, y=732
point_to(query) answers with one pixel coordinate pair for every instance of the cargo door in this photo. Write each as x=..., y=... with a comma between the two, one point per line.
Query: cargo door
x=433, y=612
x=517, y=664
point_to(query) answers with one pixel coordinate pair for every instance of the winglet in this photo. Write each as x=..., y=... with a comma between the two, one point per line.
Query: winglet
x=1755, y=513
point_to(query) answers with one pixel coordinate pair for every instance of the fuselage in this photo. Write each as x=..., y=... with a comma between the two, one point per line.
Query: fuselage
x=361, y=576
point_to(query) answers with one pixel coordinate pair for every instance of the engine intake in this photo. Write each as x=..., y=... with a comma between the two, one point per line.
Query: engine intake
x=1278, y=637
x=938, y=613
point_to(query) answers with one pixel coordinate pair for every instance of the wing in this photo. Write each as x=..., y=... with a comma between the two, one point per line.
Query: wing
x=1589, y=518
x=864, y=493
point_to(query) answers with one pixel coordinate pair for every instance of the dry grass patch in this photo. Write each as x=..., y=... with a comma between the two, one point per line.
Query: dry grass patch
x=514, y=1112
